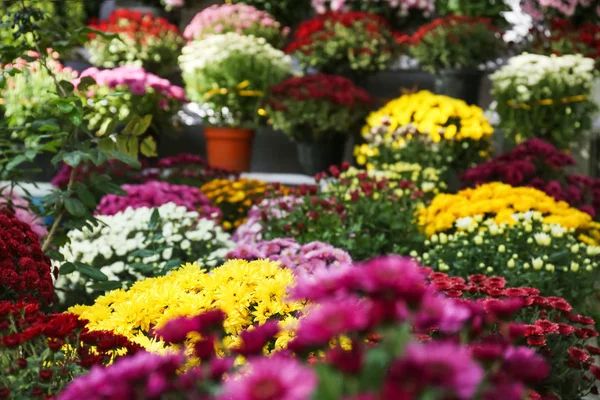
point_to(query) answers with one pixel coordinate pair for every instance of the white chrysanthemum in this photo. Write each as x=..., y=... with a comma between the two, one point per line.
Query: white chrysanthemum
x=464, y=223
x=543, y=239
x=111, y=245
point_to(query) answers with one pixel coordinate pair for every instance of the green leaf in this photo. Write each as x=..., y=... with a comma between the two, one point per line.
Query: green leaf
x=65, y=107
x=106, y=286
x=91, y=272
x=76, y=118
x=169, y=265
x=85, y=83
x=143, y=268
x=154, y=219
x=97, y=157
x=75, y=207
x=55, y=255
x=108, y=127
x=66, y=268
x=148, y=147
x=15, y=162
x=107, y=145
x=138, y=125
x=559, y=255
x=143, y=253
x=72, y=159
x=126, y=159
x=86, y=197
x=66, y=86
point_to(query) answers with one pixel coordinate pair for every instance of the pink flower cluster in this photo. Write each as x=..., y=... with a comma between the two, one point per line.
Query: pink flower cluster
x=229, y=18
x=22, y=211
x=302, y=259
x=403, y=6
x=250, y=231
x=565, y=8
x=154, y=194
x=355, y=302
x=134, y=78
x=539, y=164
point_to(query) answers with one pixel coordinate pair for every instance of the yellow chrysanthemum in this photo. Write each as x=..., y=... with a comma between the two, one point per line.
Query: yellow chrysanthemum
x=248, y=292
x=441, y=117
x=502, y=201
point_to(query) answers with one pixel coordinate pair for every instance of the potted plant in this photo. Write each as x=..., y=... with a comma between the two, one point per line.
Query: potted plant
x=229, y=75
x=318, y=112
x=545, y=96
x=400, y=14
x=351, y=44
x=288, y=12
x=577, y=11
x=125, y=91
x=144, y=41
x=453, y=48
x=239, y=18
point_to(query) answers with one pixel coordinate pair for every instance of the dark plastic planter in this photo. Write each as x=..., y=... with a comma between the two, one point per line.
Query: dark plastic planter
x=460, y=84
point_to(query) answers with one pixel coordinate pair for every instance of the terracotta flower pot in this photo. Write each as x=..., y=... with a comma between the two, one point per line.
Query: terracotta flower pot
x=229, y=148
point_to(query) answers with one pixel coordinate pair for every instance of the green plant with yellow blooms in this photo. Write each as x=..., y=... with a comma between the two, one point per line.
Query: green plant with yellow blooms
x=250, y=293
x=528, y=253
x=427, y=129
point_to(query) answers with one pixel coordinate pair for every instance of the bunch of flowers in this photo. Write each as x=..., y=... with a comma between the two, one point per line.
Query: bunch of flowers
x=547, y=324
x=238, y=18
x=456, y=43
x=42, y=353
x=288, y=12
x=426, y=129
x=365, y=341
x=492, y=9
x=545, y=97
x=572, y=9
x=143, y=41
x=302, y=259
x=155, y=194
x=25, y=272
x=230, y=74
x=250, y=232
x=401, y=14
x=315, y=108
x=526, y=251
x=22, y=210
x=349, y=44
x=134, y=244
x=143, y=93
x=368, y=217
x=235, y=197
x=565, y=38
x=248, y=292
x=500, y=201
x=540, y=165
x=427, y=180
x=26, y=94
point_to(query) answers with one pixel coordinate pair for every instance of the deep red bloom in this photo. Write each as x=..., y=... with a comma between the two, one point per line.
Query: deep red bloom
x=585, y=333
x=204, y=349
x=348, y=361
x=45, y=374
x=547, y=326
x=565, y=329
x=595, y=370
x=253, y=341
x=578, y=354
x=536, y=340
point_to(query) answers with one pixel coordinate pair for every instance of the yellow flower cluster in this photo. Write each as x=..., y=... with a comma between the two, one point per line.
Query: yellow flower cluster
x=425, y=179
x=502, y=201
x=248, y=292
x=441, y=117
x=235, y=197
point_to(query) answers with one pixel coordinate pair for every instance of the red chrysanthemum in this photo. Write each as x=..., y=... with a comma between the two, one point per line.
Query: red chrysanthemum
x=25, y=272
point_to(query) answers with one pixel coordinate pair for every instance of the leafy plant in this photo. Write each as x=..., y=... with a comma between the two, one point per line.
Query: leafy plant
x=456, y=42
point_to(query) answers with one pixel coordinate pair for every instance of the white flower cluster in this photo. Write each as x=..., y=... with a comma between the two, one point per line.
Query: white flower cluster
x=109, y=246
x=217, y=48
x=528, y=74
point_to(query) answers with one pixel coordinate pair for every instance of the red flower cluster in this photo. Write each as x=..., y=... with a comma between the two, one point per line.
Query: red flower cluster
x=544, y=323
x=442, y=25
x=320, y=28
x=331, y=88
x=539, y=164
x=25, y=272
x=134, y=23
x=568, y=39
x=27, y=333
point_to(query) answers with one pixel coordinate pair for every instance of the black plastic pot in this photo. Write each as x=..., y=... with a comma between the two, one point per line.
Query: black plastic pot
x=460, y=84
x=319, y=156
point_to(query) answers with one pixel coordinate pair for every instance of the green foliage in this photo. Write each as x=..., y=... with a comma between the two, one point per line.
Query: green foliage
x=492, y=9
x=57, y=127
x=458, y=43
